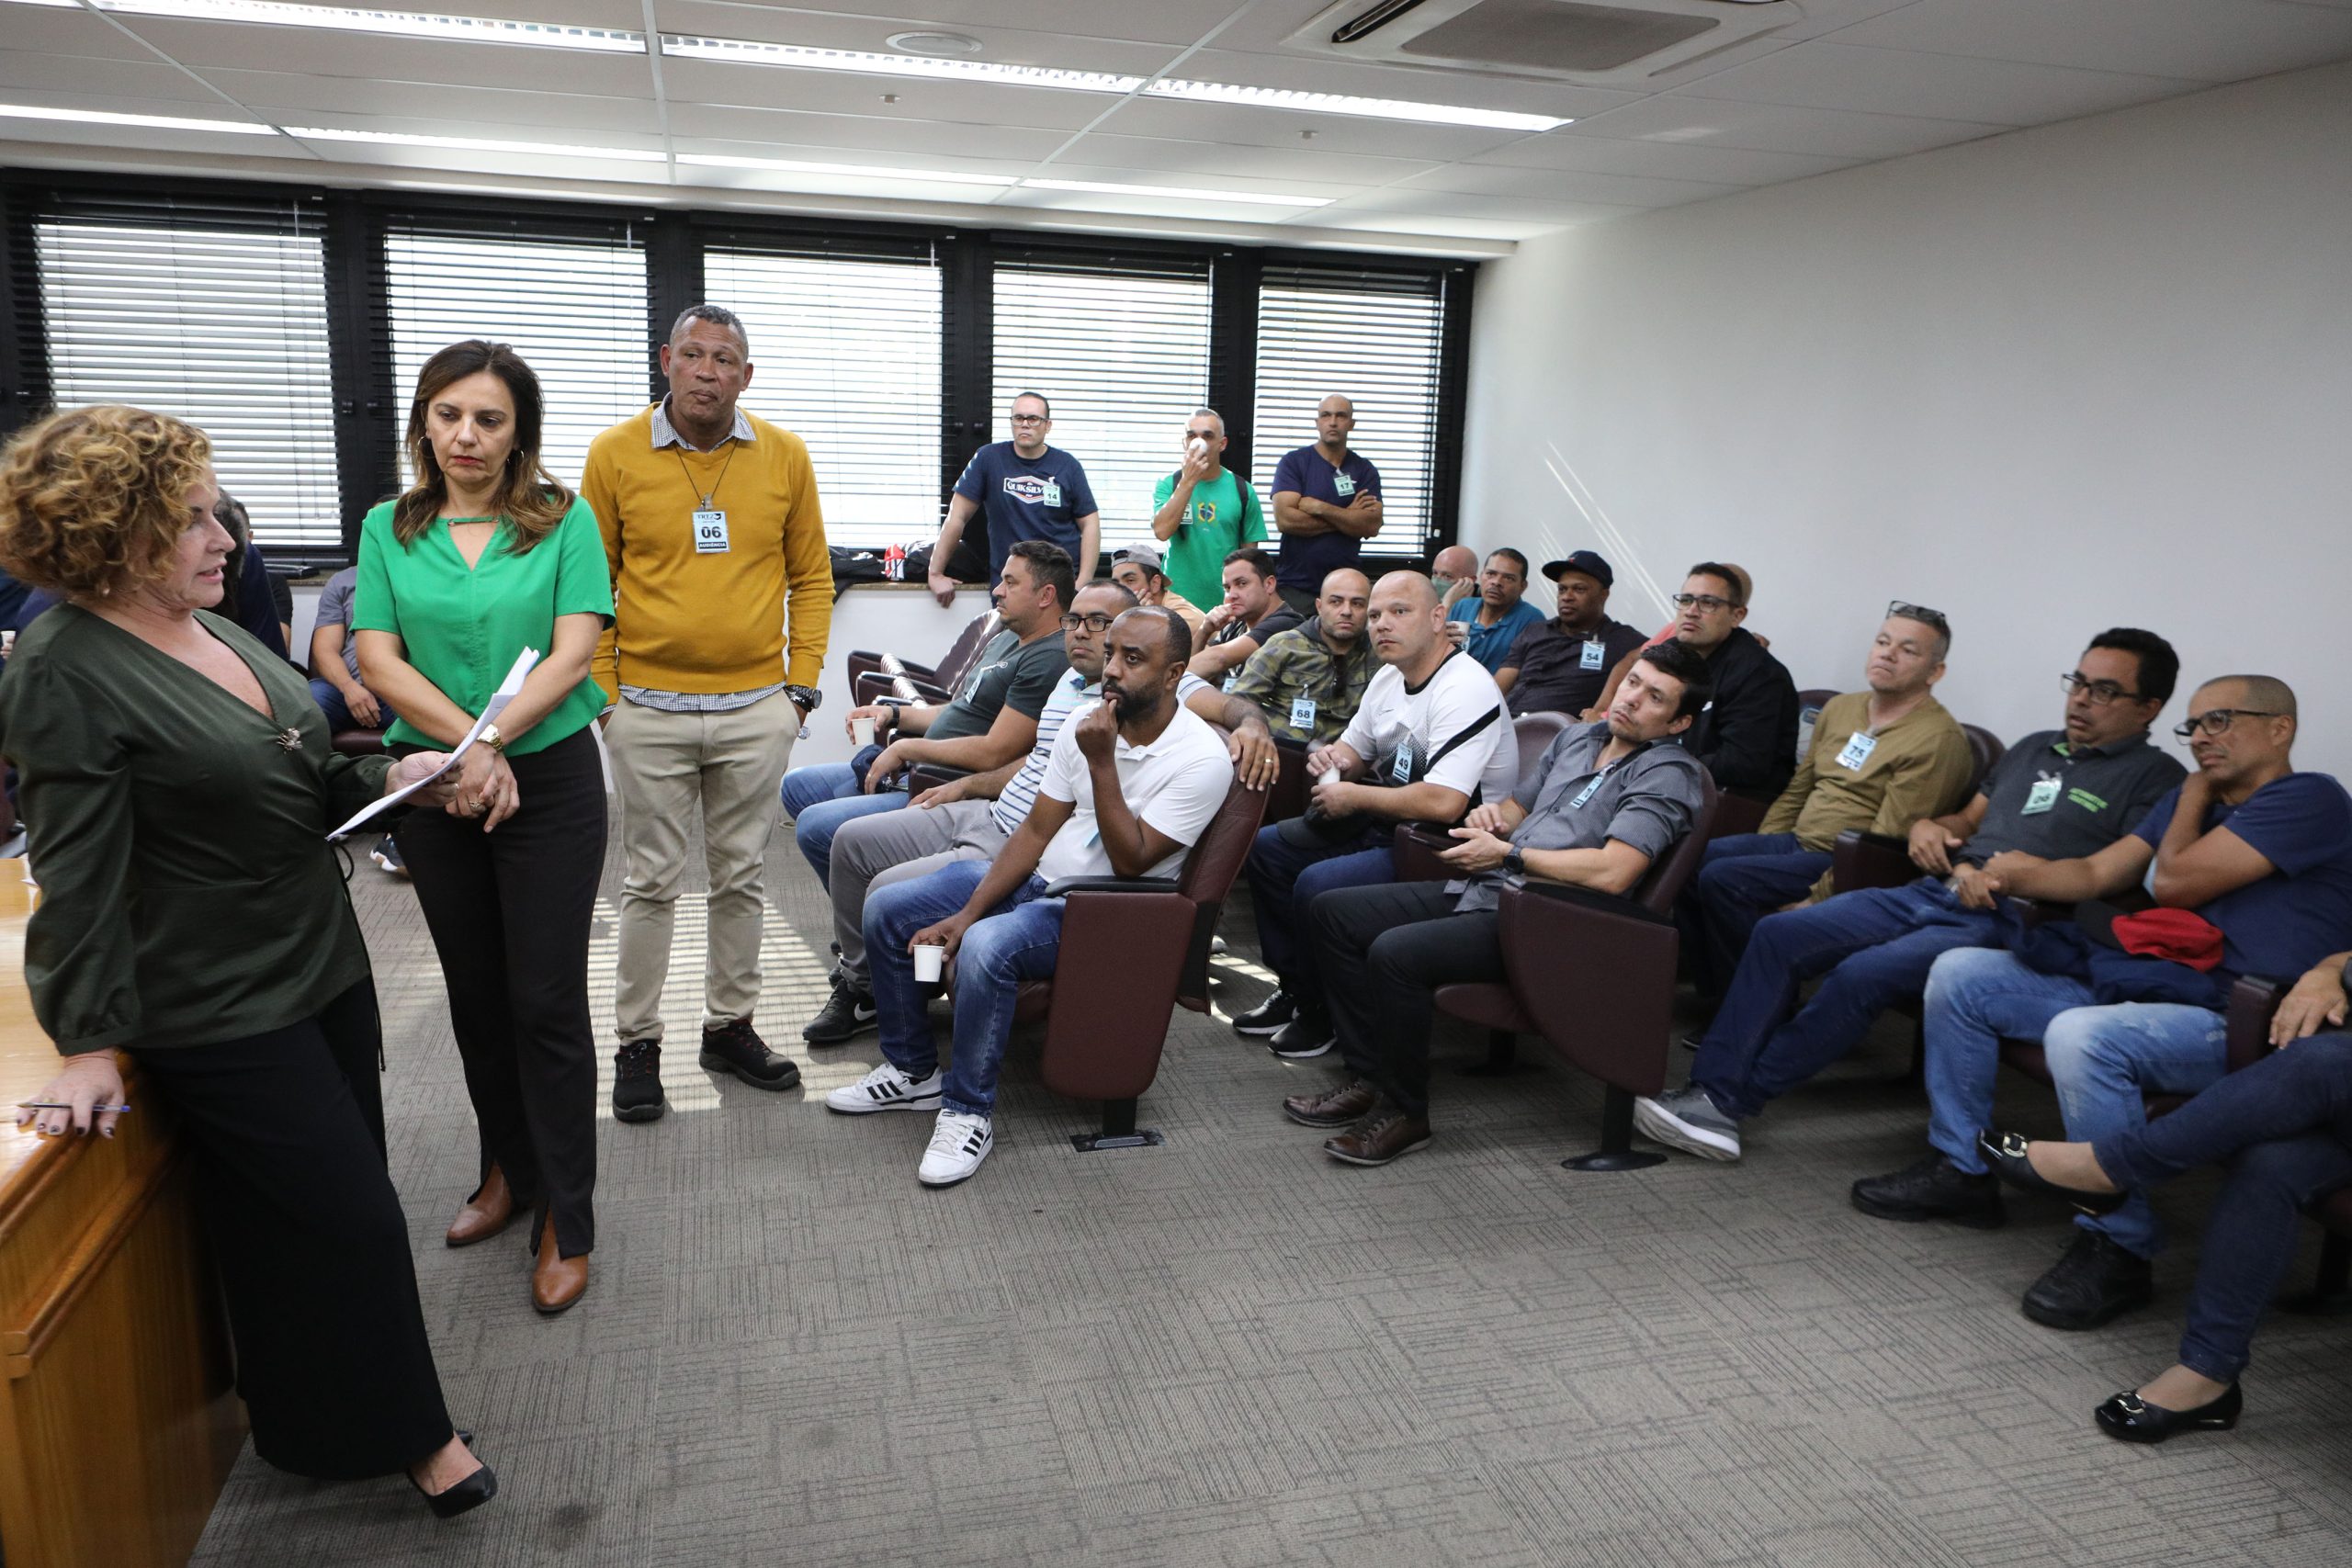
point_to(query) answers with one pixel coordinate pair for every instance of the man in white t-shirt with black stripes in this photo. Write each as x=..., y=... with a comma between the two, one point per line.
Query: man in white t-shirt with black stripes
x=1431, y=739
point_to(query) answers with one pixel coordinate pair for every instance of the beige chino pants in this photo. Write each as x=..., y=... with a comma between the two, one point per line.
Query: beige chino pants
x=667, y=767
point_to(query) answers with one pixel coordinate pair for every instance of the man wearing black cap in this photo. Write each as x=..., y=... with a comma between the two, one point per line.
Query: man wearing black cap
x=1561, y=665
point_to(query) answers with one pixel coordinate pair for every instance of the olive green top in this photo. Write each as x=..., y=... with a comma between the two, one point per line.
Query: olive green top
x=188, y=892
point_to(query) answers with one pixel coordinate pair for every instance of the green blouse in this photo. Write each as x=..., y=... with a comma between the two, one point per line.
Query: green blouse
x=462, y=627
x=188, y=892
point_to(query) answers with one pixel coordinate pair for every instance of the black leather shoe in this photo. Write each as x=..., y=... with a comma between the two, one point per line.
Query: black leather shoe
x=1268, y=1016
x=1932, y=1189
x=736, y=1047
x=2005, y=1152
x=2131, y=1419
x=467, y=1495
x=847, y=1013
x=1308, y=1035
x=1340, y=1106
x=637, y=1082
x=2093, y=1282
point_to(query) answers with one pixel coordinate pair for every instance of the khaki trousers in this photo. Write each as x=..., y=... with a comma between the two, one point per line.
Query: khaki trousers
x=666, y=767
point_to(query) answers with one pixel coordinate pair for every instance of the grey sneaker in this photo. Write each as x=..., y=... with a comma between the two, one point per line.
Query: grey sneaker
x=1686, y=1119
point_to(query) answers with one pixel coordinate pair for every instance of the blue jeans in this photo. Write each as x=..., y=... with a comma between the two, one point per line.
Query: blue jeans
x=1018, y=940
x=1284, y=882
x=1875, y=947
x=2103, y=1060
x=338, y=711
x=2288, y=1120
x=1742, y=878
x=820, y=796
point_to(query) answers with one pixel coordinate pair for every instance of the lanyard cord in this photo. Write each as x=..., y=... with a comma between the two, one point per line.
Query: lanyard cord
x=707, y=500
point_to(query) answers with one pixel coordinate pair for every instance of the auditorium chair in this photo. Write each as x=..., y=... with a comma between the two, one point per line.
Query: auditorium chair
x=1593, y=973
x=941, y=677
x=358, y=743
x=1739, y=813
x=880, y=685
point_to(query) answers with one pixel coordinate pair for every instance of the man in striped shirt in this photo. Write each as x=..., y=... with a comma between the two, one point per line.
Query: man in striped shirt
x=972, y=818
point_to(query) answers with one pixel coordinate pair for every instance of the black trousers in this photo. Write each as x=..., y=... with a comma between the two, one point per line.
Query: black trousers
x=288, y=1130
x=510, y=911
x=1384, y=950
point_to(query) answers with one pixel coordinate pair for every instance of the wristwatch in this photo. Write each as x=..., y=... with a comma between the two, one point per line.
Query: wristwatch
x=492, y=738
x=805, y=698
x=1514, y=862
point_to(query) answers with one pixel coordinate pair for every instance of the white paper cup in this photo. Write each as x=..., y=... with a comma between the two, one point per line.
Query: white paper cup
x=1330, y=776
x=862, y=730
x=930, y=960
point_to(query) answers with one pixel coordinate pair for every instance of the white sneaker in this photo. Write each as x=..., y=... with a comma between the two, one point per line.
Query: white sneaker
x=958, y=1145
x=886, y=1089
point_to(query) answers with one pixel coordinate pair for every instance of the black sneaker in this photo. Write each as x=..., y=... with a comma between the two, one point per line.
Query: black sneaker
x=847, y=1013
x=387, y=855
x=1308, y=1035
x=1932, y=1189
x=2093, y=1282
x=1269, y=1016
x=637, y=1082
x=737, y=1048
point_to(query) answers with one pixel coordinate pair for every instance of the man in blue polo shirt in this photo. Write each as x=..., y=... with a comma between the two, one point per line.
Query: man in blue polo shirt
x=1326, y=503
x=1025, y=489
x=1491, y=620
x=2263, y=854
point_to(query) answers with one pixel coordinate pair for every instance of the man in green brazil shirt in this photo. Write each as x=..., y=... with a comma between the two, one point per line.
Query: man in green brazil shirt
x=1205, y=512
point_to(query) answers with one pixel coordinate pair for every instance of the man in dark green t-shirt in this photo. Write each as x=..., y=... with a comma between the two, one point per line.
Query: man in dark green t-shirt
x=1205, y=512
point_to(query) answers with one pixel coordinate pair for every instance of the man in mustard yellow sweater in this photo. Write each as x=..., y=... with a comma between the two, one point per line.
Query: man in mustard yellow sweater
x=723, y=596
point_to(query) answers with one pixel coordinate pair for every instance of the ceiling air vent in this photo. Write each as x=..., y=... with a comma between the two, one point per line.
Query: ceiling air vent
x=1569, y=39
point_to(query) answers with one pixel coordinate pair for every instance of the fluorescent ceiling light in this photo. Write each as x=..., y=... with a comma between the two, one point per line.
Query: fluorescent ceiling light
x=1181, y=193
x=396, y=24
x=851, y=171
x=474, y=144
x=147, y=121
x=1340, y=103
x=745, y=52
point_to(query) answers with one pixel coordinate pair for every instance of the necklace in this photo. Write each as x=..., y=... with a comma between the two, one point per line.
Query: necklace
x=712, y=495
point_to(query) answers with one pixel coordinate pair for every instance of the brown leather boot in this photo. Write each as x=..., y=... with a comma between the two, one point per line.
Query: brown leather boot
x=557, y=1282
x=485, y=1214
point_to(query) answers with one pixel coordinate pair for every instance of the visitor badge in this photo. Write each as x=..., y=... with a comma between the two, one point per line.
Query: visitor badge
x=1585, y=794
x=1302, y=712
x=1401, y=769
x=2041, y=798
x=1052, y=494
x=1858, y=750
x=710, y=532
x=1230, y=678
x=1592, y=657
x=1342, y=486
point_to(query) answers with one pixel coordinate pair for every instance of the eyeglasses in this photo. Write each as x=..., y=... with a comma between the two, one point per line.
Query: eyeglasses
x=2100, y=693
x=1706, y=602
x=1031, y=418
x=2217, y=721
x=1070, y=623
x=1897, y=610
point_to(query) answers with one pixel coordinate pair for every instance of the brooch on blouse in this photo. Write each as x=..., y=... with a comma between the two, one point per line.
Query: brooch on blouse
x=289, y=740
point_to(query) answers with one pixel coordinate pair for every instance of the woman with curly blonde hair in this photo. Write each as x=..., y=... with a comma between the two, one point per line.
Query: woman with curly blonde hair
x=139, y=723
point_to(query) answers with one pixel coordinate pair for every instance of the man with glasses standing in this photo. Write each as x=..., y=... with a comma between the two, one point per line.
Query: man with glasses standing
x=1203, y=512
x=1326, y=503
x=2058, y=794
x=1748, y=735
x=1881, y=759
x=2263, y=856
x=1022, y=488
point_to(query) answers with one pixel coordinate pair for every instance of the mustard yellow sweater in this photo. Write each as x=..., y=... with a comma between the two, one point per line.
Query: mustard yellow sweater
x=691, y=621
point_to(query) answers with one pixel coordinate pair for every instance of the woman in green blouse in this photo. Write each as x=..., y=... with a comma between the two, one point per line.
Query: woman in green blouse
x=178, y=786
x=483, y=556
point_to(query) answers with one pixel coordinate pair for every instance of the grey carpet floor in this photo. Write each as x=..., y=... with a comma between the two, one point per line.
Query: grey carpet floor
x=1229, y=1350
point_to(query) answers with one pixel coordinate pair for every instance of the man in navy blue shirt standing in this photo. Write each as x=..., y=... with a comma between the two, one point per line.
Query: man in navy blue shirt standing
x=1025, y=489
x=1326, y=503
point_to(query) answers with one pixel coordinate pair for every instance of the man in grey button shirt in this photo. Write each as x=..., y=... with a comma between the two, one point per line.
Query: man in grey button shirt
x=2058, y=794
x=1607, y=800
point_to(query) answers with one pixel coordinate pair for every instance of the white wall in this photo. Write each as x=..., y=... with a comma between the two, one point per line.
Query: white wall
x=2092, y=374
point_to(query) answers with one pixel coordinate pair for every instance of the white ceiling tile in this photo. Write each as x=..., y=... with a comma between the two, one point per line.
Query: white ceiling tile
x=1427, y=86
x=460, y=163
x=1306, y=160
x=1009, y=168
x=1280, y=128
x=1831, y=75
x=1776, y=127
x=1599, y=154
x=1458, y=204
x=1567, y=185
x=1172, y=22
x=965, y=103
x=1029, y=198
x=67, y=32
x=1065, y=49
x=205, y=45
x=880, y=135
x=277, y=93
x=148, y=78
x=1063, y=169
x=2208, y=40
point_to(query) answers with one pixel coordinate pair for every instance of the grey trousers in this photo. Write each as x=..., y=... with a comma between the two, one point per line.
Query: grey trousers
x=894, y=846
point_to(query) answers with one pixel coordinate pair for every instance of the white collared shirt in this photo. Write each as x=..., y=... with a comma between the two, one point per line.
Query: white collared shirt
x=667, y=434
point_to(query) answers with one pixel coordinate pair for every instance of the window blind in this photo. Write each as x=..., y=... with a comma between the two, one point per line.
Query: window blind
x=1121, y=350
x=1374, y=337
x=572, y=303
x=845, y=353
x=217, y=314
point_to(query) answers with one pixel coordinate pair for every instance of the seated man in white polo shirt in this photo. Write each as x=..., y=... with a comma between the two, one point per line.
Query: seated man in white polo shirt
x=1131, y=784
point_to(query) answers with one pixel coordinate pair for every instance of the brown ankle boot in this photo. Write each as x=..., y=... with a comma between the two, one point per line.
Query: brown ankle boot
x=557, y=1282
x=485, y=1214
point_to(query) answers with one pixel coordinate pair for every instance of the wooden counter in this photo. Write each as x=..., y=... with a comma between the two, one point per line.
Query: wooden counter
x=117, y=1421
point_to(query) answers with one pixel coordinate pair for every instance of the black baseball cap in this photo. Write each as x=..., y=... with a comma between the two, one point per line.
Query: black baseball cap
x=1585, y=562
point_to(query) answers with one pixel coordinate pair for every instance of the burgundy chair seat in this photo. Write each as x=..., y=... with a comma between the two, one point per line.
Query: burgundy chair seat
x=358, y=743
x=1487, y=1003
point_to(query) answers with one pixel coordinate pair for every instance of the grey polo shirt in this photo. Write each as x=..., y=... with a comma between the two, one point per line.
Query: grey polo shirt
x=1647, y=800
x=2061, y=801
